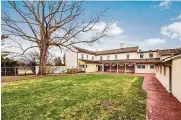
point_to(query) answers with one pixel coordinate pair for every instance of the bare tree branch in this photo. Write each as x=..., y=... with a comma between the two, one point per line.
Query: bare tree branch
x=49, y=24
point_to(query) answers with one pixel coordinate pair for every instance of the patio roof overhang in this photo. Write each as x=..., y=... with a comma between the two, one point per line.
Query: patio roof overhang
x=138, y=61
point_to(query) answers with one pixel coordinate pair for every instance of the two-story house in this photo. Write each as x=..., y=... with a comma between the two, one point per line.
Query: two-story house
x=121, y=60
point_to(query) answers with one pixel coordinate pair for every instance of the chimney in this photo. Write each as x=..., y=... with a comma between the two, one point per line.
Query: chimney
x=121, y=45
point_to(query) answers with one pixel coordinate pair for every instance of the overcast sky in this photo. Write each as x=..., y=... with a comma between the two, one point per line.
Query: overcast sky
x=150, y=25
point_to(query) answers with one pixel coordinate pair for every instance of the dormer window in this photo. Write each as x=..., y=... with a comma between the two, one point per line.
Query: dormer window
x=108, y=57
x=141, y=55
x=82, y=56
x=116, y=57
x=151, y=55
x=127, y=56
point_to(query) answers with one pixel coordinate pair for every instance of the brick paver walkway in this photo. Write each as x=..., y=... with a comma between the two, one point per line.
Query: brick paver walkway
x=160, y=104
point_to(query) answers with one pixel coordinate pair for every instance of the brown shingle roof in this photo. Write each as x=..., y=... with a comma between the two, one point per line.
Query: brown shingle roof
x=170, y=51
x=84, y=50
x=105, y=52
x=120, y=50
x=150, y=60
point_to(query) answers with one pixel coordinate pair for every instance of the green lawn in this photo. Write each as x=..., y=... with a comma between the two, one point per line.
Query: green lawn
x=75, y=97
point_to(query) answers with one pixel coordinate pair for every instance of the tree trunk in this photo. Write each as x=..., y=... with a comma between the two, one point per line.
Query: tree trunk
x=43, y=60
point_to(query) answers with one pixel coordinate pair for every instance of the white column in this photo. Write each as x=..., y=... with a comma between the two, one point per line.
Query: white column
x=117, y=67
x=125, y=68
x=110, y=68
x=102, y=67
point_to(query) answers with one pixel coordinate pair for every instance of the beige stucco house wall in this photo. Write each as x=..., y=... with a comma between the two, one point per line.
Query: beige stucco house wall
x=164, y=79
x=146, y=55
x=176, y=78
x=71, y=59
x=87, y=67
x=146, y=70
x=91, y=67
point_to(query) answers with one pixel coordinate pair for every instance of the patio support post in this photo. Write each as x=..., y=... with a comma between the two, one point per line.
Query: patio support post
x=125, y=68
x=117, y=67
x=102, y=67
x=110, y=67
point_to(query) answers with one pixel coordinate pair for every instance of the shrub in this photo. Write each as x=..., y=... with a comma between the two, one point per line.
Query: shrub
x=8, y=66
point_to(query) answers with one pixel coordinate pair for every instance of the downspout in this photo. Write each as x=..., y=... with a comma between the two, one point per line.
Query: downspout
x=170, y=80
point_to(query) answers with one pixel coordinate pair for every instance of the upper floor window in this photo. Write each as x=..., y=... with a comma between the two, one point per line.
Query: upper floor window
x=82, y=56
x=116, y=57
x=87, y=56
x=152, y=66
x=127, y=56
x=150, y=55
x=100, y=57
x=92, y=57
x=141, y=55
x=108, y=57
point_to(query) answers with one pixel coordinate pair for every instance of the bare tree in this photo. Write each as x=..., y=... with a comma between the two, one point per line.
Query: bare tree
x=34, y=57
x=49, y=23
x=3, y=37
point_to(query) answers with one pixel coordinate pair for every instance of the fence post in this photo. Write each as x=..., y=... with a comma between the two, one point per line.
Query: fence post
x=25, y=71
x=5, y=70
x=15, y=71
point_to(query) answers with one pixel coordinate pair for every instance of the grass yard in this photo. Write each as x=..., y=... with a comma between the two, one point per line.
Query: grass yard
x=75, y=97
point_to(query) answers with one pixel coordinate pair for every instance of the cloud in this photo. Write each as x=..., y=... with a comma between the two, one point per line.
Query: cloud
x=154, y=41
x=114, y=29
x=164, y=4
x=173, y=30
x=177, y=18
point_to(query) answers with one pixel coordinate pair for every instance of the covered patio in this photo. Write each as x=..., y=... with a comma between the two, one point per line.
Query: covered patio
x=123, y=66
x=119, y=67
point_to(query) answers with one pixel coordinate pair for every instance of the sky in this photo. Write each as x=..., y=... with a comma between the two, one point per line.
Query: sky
x=150, y=25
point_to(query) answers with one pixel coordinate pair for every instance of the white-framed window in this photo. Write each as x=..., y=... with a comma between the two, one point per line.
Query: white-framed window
x=152, y=66
x=87, y=56
x=151, y=55
x=82, y=56
x=141, y=55
x=141, y=66
x=108, y=57
x=127, y=56
x=116, y=57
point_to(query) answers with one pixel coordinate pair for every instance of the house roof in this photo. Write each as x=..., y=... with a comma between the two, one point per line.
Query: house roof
x=169, y=51
x=150, y=60
x=84, y=50
x=120, y=50
x=148, y=51
x=172, y=57
x=105, y=52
